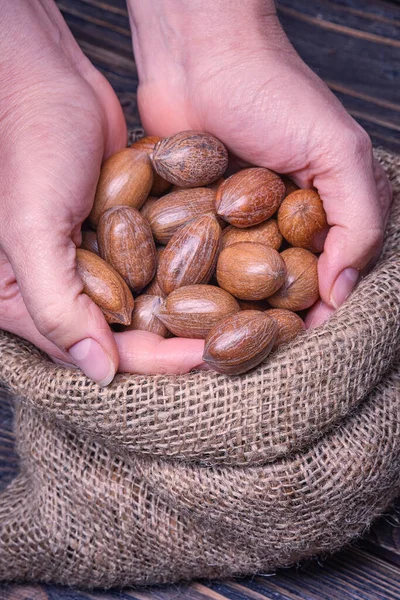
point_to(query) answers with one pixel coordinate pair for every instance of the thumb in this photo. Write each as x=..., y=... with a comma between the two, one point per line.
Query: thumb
x=42, y=256
x=356, y=212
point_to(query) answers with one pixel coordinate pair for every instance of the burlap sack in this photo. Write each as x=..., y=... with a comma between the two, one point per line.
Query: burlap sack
x=156, y=479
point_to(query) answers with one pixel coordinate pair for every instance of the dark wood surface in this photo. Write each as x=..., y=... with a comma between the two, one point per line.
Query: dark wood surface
x=354, y=46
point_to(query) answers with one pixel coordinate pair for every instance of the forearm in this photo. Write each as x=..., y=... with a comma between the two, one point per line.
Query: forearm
x=181, y=32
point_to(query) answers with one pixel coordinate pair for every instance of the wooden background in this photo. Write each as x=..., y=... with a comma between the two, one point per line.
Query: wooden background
x=354, y=46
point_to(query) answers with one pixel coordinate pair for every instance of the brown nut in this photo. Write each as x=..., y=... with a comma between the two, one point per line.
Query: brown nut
x=176, y=209
x=89, y=242
x=249, y=197
x=126, y=243
x=214, y=186
x=191, y=254
x=191, y=311
x=190, y=159
x=302, y=220
x=146, y=144
x=250, y=271
x=105, y=287
x=290, y=185
x=266, y=233
x=300, y=288
x=125, y=179
x=289, y=325
x=254, y=305
x=144, y=315
x=240, y=342
x=154, y=289
x=148, y=205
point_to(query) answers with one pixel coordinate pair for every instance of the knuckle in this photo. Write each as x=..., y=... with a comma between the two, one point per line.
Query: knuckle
x=363, y=144
x=372, y=240
x=375, y=238
x=51, y=323
x=65, y=323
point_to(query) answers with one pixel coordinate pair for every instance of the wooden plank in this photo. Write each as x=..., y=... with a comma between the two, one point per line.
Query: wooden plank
x=384, y=538
x=339, y=88
x=101, y=17
x=368, y=68
x=335, y=16
x=362, y=72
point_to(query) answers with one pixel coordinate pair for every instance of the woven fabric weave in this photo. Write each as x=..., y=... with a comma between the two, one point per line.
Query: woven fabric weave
x=158, y=479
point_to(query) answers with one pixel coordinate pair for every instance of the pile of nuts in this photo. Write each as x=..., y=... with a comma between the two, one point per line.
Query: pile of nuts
x=216, y=272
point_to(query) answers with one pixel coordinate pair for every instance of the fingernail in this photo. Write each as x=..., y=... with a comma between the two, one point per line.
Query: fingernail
x=90, y=357
x=343, y=286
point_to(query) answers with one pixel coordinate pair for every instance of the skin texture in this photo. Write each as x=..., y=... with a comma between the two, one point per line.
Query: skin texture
x=289, y=121
x=59, y=119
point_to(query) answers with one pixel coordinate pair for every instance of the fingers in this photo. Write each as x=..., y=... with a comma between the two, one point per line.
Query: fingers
x=14, y=316
x=42, y=257
x=145, y=353
x=141, y=352
x=354, y=205
x=318, y=314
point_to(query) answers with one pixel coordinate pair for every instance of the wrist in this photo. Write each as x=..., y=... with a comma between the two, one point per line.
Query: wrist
x=179, y=36
x=35, y=41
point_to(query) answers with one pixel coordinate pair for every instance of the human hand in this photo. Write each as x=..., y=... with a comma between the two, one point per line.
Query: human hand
x=59, y=119
x=230, y=70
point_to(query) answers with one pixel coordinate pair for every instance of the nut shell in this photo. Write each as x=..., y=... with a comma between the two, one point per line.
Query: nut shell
x=266, y=233
x=191, y=254
x=126, y=243
x=125, y=179
x=214, y=186
x=191, y=311
x=190, y=159
x=249, y=197
x=250, y=271
x=144, y=315
x=176, y=209
x=290, y=185
x=289, y=325
x=302, y=220
x=146, y=144
x=89, y=242
x=154, y=289
x=147, y=206
x=300, y=288
x=105, y=287
x=254, y=305
x=240, y=342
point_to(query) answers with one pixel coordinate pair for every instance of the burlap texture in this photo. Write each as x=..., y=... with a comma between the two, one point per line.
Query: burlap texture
x=157, y=479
